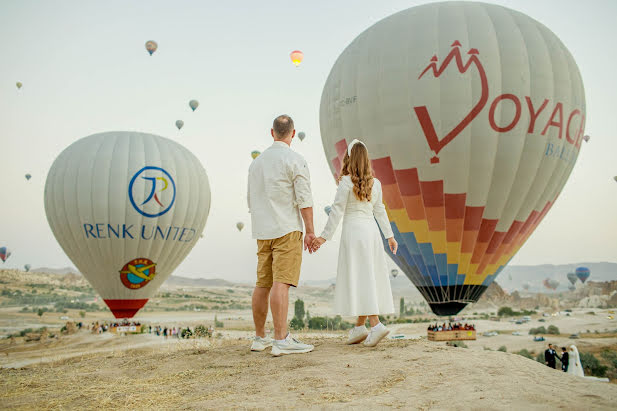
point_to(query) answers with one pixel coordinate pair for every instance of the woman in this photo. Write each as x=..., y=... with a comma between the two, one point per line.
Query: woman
x=362, y=281
x=574, y=364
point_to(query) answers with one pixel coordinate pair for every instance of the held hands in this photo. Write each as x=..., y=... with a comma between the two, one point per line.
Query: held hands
x=393, y=245
x=317, y=242
x=308, y=242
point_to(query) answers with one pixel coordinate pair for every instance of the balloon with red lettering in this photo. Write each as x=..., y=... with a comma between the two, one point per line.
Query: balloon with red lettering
x=473, y=115
x=151, y=46
x=126, y=208
x=5, y=253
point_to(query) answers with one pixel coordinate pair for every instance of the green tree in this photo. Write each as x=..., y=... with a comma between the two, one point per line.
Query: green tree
x=525, y=353
x=503, y=348
x=82, y=314
x=591, y=365
x=296, y=324
x=540, y=358
x=217, y=323
x=40, y=312
x=552, y=330
x=402, y=307
x=299, y=309
x=505, y=311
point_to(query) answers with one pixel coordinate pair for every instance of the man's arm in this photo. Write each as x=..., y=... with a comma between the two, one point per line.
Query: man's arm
x=307, y=217
x=304, y=200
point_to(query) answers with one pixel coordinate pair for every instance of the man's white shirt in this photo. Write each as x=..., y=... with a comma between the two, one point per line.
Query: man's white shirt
x=279, y=185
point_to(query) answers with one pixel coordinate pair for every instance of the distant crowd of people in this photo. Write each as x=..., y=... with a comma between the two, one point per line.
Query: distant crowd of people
x=451, y=327
x=178, y=332
x=98, y=328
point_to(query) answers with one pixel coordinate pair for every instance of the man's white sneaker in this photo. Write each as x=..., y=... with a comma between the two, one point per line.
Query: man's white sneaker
x=260, y=344
x=290, y=346
x=357, y=335
x=375, y=336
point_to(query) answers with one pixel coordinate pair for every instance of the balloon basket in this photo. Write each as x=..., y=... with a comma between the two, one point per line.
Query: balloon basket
x=454, y=335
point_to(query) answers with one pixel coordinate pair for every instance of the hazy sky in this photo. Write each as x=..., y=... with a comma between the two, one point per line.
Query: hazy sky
x=85, y=70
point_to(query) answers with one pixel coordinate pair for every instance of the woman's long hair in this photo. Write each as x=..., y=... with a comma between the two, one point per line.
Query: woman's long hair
x=358, y=167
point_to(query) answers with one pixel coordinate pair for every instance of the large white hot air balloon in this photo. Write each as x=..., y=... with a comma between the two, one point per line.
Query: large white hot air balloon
x=473, y=115
x=127, y=208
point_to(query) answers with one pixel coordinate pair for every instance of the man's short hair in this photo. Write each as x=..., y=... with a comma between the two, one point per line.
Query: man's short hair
x=283, y=125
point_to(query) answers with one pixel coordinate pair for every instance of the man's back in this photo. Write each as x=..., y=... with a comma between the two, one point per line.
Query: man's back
x=278, y=187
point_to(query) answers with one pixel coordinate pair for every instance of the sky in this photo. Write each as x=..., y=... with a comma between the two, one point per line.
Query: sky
x=85, y=70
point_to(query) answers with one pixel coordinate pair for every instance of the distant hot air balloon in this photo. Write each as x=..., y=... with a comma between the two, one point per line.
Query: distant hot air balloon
x=583, y=273
x=394, y=272
x=151, y=46
x=255, y=154
x=302, y=135
x=571, y=287
x=572, y=277
x=5, y=253
x=193, y=104
x=240, y=225
x=19, y=85
x=327, y=209
x=551, y=284
x=526, y=286
x=296, y=57
x=126, y=208
x=28, y=176
x=586, y=138
x=615, y=178
x=179, y=124
x=467, y=173
x=27, y=267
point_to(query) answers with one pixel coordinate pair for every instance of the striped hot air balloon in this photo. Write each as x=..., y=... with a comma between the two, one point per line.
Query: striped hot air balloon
x=583, y=273
x=473, y=115
x=5, y=253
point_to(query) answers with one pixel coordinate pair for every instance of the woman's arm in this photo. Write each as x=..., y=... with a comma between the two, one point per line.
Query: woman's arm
x=379, y=210
x=338, y=208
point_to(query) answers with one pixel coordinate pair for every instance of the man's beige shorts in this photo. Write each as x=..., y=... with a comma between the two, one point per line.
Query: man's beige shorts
x=279, y=260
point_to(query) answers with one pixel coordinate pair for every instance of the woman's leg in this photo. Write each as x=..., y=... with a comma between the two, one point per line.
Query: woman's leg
x=361, y=321
x=373, y=320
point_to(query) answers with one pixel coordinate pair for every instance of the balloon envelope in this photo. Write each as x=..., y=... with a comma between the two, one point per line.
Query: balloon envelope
x=193, y=104
x=526, y=286
x=327, y=209
x=126, y=208
x=586, y=138
x=4, y=253
x=467, y=173
x=151, y=46
x=296, y=57
x=240, y=226
x=615, y=178
x=27, y=267
x=302, y=135
x=583, y=273
x=28, y=176
x=255, y=154
x=572, y=277
x=571, y=287
x=179, y=124
x=394, y=272
x=18, y=84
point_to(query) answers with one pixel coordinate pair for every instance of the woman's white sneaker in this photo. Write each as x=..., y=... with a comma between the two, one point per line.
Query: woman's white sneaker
x=260, y=344
x=376, y=335
x=290, y=346
x=357, y=335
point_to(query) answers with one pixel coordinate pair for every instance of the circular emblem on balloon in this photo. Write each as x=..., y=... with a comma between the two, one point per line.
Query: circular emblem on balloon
x=137, y=273
x=152, y=191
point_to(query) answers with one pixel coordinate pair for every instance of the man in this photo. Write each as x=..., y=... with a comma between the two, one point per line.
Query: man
x=279, y=200
x=549, y=356
x=565, y=359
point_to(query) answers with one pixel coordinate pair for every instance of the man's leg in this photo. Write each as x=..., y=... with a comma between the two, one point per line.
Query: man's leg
x=279, y=304
x=260, y=310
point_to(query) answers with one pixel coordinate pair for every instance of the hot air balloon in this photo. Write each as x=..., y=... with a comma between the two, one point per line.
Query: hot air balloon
x=240, y=225
x=296, y=57
x=19, y=85
x=467, y=173
x=583, y=273
x=179, y=124
x=255, y=154
x=615, y=178
x=151, y=46
x=586, y=138
x=126, y=208
x=572, y=278
x=327, y=209
x=28, y=176
x=27, y=267
x=551, y=284
x=394, y=272
x=526, y=286
x=193, y=104
x=5, y=253
x=571, y=287
x=302, y=135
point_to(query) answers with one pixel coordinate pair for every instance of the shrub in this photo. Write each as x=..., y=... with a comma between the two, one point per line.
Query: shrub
x=82, y=314
x=40, y=312
x=296, y=324
x=460, y=344
x=503, y=348
x=539, y=330
x=217, y=323
x=201, y=331
x=507, y=311
x=591, y=365
x=325, y=323
x=540, y=358
x=299, y=309
x=552, y=329
x=525, y=353
x=487, y=349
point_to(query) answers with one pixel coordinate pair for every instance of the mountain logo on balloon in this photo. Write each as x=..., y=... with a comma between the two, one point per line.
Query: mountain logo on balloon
x=137, y=273
x=435, y=143
x=152, y=191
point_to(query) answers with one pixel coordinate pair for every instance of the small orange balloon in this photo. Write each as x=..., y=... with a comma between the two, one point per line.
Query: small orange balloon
x=296, y=57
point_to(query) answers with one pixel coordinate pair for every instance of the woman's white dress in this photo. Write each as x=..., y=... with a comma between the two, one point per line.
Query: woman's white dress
x=575, y=367
x=362, y=280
